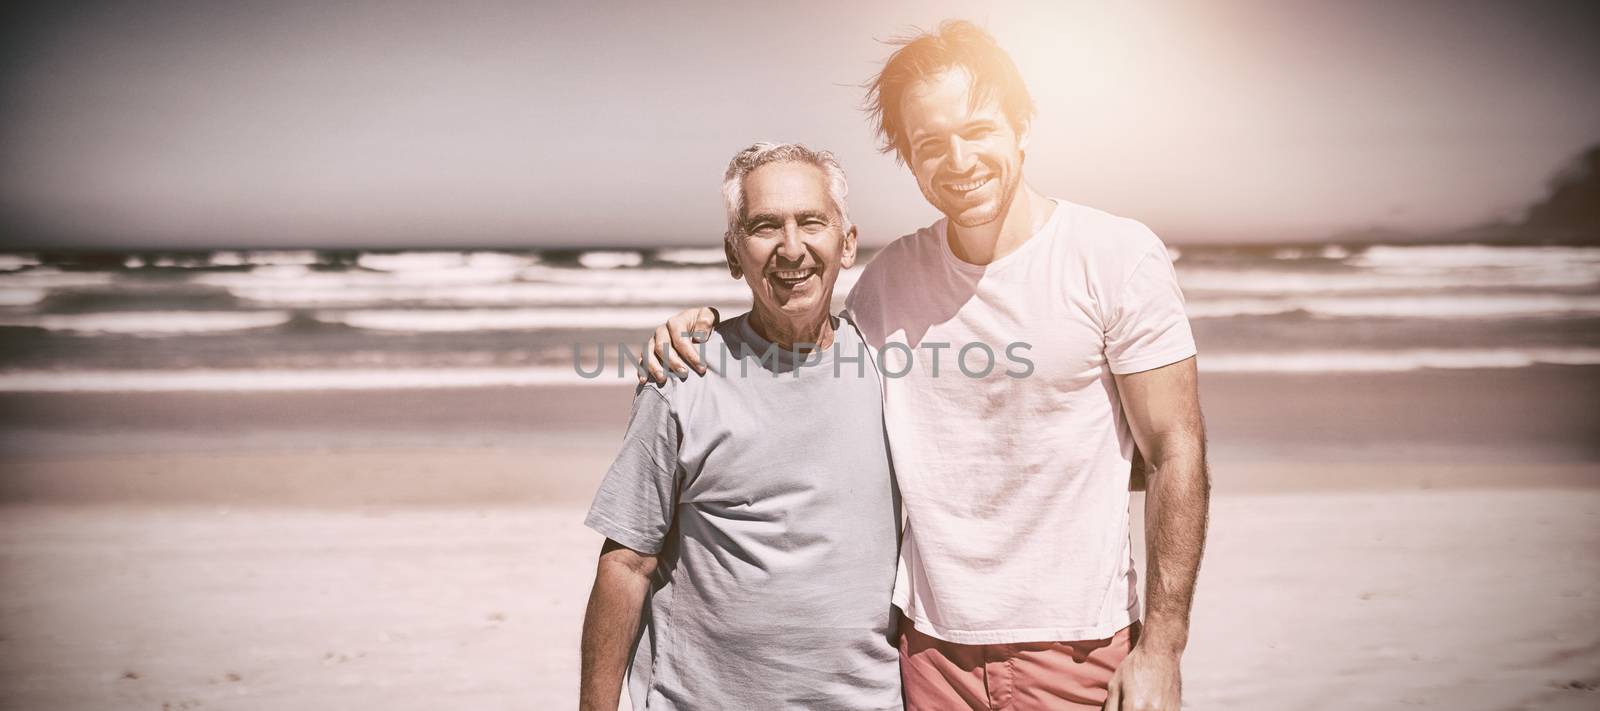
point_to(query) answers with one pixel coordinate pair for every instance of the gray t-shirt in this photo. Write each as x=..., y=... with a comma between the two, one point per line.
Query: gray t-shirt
x=765, y=489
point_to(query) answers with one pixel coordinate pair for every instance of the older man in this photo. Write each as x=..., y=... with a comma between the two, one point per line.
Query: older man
x=1017, y=574
x=751, y=516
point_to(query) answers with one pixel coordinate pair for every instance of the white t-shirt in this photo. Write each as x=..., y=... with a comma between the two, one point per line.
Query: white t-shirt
x=1015, y=477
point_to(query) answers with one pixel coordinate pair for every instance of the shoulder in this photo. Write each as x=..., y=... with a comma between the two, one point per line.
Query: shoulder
x=680, y=395
x=1107, y=235
x=1110, y=246
x=902, y=258
x=909, y=249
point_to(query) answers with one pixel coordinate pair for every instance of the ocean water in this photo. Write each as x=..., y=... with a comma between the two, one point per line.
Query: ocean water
x=303, y=319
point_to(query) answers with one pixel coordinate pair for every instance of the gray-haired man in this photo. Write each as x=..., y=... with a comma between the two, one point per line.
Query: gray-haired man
x=751, y=516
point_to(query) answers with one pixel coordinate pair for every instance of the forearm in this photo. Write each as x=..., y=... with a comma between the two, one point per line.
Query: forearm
x=1176, y=510
x=609, y=627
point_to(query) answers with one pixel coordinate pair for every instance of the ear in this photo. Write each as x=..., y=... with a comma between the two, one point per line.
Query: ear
x=732, y=256
x=1024, y=133
x=847, y=257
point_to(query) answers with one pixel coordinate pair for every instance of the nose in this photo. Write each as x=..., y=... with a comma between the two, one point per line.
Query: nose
x=960, y=158
x=792, y=249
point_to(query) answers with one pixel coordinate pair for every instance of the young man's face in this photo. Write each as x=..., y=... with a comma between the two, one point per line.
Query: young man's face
x=967, y=158
x=793, y=243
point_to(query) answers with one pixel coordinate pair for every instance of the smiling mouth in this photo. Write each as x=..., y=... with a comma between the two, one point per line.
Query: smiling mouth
x=791, y=278
x=968, y=186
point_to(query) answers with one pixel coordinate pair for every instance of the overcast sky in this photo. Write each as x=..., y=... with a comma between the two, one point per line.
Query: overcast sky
x=496, y=124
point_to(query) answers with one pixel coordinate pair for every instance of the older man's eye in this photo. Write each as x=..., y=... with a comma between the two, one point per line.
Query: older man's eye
x=763, y=228
x=815, y=225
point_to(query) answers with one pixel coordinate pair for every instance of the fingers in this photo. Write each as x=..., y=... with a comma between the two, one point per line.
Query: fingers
x=704, y=322
x=688, y=328
x=652, y=368
x=673, y=357
x=681, y=332
x=1114, y=694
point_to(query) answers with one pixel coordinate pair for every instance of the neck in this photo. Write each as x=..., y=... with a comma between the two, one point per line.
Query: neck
x=815, y=330
x=985, y=243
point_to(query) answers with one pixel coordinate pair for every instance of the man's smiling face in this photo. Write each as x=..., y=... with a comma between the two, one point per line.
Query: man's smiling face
x=793, y=241
x=966, y=157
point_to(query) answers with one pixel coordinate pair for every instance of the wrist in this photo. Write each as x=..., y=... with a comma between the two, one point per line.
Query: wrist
x=1157, y=639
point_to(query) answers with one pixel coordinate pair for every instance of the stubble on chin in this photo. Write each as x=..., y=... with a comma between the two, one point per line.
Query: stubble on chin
x=995, y=213
x=986, y=214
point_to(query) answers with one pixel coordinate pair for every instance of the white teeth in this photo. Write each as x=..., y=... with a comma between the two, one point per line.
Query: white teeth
x=967, y=187
x=801, y=274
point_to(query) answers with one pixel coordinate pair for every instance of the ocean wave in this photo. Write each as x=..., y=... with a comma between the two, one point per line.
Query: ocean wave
x=21, y=297
x=692, y=256
x=298, y=380
x=1393, y=361
x=1332, y=252
x=610, y=259
x=51, y=278
x=278, y=380
x=410, y=261
x=535, y=285
x=1408, y=258
x=1270, y=281
x=461, y=320
x=1433, y=307
x=279, y=257
x=13, y=262
x=510, y=295
x=490, y=263
x=168, y=261
x=582, y=313
x=221, y=258
x=151, y=323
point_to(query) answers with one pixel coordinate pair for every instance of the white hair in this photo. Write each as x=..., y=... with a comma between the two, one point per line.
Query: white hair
x=763, y=153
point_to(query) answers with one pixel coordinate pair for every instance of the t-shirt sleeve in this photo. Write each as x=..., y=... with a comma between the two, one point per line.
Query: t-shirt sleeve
x=863, y=305
x=638, y=496
x=1147, y=327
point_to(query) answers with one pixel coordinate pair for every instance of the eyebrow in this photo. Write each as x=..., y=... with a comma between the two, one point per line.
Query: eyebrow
x=919, y=135
x=761, y=217
x=779, y=219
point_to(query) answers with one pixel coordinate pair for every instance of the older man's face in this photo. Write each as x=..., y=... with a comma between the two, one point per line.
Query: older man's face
x=794, y=242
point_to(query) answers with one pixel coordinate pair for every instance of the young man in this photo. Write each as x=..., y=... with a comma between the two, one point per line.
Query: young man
x=751, y=516
x=1016, y=571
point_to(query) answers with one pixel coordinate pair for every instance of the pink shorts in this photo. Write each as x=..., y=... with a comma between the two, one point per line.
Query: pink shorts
x=1027, y=676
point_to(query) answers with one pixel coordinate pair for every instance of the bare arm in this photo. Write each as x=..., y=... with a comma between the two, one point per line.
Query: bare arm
x=621, y=581
x=1163, y=410
x=681, y=332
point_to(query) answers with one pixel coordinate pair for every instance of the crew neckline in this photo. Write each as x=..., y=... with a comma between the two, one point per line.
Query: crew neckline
x=951, y=259
x=822, y=356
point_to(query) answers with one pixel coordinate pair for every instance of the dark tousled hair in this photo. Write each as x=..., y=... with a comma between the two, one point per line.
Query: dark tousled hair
x=957, y=43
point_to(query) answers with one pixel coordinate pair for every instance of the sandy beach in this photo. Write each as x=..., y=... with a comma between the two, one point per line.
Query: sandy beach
x=1436, y=544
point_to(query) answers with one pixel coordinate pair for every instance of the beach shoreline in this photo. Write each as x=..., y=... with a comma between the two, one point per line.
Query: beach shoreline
x=1534, y=414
